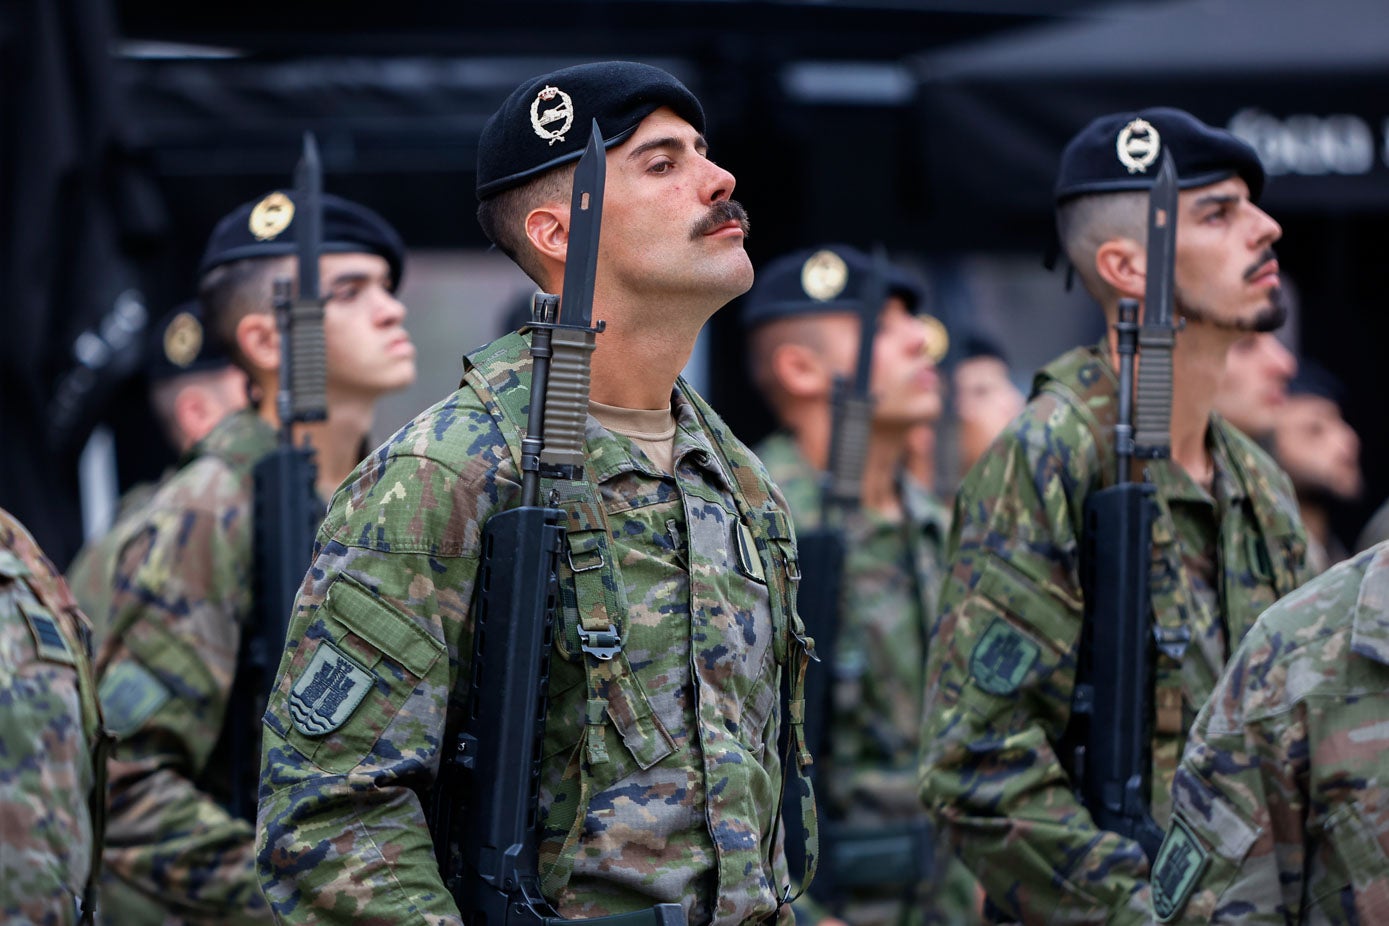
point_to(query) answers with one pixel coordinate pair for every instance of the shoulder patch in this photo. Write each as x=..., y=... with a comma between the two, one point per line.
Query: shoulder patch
x=129, y=695
x=1001, y=659
x=1178, y=866
x=48, y=638
x=328, y=692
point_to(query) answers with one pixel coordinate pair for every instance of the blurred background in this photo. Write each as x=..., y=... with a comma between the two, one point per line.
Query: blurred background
x=127, y=127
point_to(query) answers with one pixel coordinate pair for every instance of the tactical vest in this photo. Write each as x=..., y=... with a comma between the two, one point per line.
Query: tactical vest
x=590, y=625
x=1086, y=383
x=60, y=636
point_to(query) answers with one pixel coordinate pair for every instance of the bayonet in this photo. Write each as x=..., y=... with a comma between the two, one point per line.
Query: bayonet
x=1152, y=419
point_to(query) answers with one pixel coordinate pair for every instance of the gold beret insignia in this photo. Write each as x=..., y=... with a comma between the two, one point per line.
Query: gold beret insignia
x=271, y=216
x=937, y=340
x=824, y=275
x=183, y=339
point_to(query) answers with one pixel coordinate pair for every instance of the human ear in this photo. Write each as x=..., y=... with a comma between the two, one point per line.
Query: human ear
x=1122, y=264
x=548, y=230
x=259, y=341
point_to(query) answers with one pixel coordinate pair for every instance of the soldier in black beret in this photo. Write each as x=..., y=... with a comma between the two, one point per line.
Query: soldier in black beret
x=660, y=779
x=1227, y=542
x=179, y=576
x=803, y=322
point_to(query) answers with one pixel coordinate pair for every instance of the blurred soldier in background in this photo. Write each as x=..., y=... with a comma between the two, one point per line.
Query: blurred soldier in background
x=803, y=324
x=193, y=385
x=1280, y=805
x=983, y=397
x=1320, y=452
x=52, y=745
x=1228, y=542
x=1254, y=389
x=181, y=590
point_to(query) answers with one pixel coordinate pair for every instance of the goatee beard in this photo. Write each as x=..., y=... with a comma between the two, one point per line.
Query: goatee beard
x=1270, y=318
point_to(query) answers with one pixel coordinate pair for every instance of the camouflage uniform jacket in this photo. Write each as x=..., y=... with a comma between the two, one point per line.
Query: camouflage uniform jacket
x=892, y=579
x=1001, y=671
x=91, y=574
x=51, y=742
x=880, y=656
x=659, y=787
x=180, y=594
x=1281, y=813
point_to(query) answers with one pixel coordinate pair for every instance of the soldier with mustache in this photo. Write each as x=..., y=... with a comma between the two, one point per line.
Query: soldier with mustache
x=661, y=778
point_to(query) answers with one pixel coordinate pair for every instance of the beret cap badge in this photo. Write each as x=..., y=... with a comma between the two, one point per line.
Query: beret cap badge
x=271, y=216
x=563, y=113
x=1138, y=146
x=824, y=275
x=183, y=339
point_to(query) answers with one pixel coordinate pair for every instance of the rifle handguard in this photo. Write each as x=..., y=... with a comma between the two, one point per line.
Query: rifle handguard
x=849, y=450
x=566, y=401
x=309, y=370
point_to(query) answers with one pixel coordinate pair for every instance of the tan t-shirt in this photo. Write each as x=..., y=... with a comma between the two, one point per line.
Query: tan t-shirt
x=651, y=429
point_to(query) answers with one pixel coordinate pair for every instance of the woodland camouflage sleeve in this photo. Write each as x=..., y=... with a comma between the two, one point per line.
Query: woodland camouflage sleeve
x=1000, y=676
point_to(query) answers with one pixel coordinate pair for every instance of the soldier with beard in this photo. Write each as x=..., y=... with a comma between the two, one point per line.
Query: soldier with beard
x=1227, y=542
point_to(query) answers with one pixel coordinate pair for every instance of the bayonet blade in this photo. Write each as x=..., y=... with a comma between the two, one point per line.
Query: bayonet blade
x=308, y=181
x=585, y=222
x=1152, y=410
x=1162, y=245
x=874, y=294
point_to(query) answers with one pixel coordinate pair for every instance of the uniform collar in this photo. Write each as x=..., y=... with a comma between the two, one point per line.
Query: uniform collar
x=1370, y=619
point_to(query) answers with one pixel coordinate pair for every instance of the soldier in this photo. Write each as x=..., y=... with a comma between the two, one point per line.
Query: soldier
x=1320, y=452
x=983, y=395
x=193, y=385
x=1279, y=806
x=181, y=591
x=1254, y=390
x=659, y=783
x=1226, y=544
x=52, y=745
x=803, y=324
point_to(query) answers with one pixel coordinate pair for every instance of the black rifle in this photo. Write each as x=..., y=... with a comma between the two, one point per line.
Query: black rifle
x=287, y=507
x=1113, y=705
x=850, y=856
x=484, y=809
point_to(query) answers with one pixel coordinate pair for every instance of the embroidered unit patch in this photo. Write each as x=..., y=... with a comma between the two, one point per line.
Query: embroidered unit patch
x=1002, y=658
x=328, y=692
x=1179, y=864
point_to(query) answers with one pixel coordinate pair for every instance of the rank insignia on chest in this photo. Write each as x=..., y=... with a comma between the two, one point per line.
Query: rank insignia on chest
x=328, y=691
x=1002, y=658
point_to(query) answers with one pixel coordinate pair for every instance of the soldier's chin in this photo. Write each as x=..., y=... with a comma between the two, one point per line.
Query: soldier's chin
x=1271, y=317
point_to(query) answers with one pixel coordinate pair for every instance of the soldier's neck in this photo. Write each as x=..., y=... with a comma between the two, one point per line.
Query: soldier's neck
x=337, y=442
x=637, y=371
x=887, y=449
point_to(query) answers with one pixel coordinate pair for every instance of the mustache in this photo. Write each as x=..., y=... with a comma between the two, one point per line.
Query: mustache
x=725, y=210
x=1255, y=267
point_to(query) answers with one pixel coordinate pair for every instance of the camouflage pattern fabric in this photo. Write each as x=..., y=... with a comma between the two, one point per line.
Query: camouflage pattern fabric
x=892, y=577
x=1281, y=813
x=180, y=594
x=669, y=795
x=92, y=571
x=49, y=734
x=1001, y=670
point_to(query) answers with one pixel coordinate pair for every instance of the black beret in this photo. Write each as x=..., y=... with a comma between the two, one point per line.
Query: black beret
x=265, y=228
x=1121, y=151
x=820, y=281
x=1313, y=379
x=545, y=122
x=182, y=343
